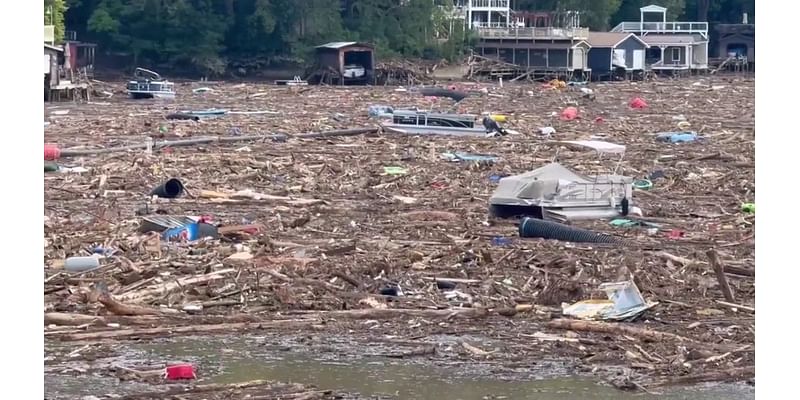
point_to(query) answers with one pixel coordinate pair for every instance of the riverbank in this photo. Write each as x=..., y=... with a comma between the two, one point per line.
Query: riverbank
x=335, y=226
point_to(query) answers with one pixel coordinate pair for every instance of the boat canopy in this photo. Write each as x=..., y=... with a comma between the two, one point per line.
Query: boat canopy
x=147, y=74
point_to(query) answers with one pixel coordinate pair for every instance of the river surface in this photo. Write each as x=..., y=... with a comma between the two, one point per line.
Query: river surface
x=232, y=360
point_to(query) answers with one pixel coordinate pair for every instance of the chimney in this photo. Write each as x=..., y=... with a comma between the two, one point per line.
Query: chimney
x=744, y=18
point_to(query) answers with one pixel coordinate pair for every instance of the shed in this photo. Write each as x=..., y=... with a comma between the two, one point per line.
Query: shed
x=736, y=40
x=53, y=56
x=348, y=62
x=616, y=49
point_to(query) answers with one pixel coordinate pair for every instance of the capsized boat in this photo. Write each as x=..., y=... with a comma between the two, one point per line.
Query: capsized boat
x=149, y=85
x=554, y=192
x=416, y=122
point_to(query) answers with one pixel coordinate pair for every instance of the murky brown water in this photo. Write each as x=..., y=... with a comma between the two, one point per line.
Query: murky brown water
x=230, y=360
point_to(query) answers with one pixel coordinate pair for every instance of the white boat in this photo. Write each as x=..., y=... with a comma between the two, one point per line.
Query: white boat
x=415, y=122
x=554, y=192
x=149, y=85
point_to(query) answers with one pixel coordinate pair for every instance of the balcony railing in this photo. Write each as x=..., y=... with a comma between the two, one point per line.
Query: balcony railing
x=489, y=4
x=533, y=33
x=663, y=27
x=492, y=25
x=49, y=34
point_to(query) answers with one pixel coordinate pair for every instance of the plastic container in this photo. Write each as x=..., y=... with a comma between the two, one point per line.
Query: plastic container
x=180, y=371
x=82, y=264
x=51, y=152
x=185, y=233
x=190, y=232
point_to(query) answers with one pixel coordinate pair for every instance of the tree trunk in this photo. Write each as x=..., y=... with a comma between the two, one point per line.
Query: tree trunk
x=702, y=10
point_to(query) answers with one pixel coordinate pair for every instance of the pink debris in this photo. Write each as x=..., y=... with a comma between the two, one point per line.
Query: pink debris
x=51, y=152
x=180, y=371
x=638, y=103
x=569, y=113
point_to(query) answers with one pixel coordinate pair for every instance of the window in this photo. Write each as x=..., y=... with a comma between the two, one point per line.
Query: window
x=676, y=55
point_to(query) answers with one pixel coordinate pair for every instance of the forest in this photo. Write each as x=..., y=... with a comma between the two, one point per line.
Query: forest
x=211, y=35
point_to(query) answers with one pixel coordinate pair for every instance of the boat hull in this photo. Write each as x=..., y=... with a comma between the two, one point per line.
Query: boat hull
x=434, y=130
x=137, y=95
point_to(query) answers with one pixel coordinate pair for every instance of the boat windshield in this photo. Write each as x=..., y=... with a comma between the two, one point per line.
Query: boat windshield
x=436, y=120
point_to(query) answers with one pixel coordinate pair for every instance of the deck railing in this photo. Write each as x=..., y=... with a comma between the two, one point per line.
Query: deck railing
x=663, y=27
x=532, y=33
x=489, y=4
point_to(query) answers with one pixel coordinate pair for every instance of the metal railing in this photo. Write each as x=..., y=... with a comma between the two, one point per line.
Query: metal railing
x=590, y=192
x=489, y=4
x=662, y=27
x=533, y=33
x=490, y=25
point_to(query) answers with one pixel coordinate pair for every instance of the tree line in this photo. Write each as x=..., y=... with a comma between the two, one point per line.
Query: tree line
x=212, y=35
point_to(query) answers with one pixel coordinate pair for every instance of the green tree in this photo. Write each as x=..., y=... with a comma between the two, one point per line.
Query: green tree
x=595, y=14
x=54, y=12
x=629, y=9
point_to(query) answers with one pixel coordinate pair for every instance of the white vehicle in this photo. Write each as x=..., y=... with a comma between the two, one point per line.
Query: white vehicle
x=354, y=71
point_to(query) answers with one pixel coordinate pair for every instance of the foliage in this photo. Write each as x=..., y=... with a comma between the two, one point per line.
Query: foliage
x=54, y=11
x=205, y=34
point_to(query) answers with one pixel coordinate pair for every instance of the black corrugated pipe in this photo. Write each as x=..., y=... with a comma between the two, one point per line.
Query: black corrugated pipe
x=537, y=228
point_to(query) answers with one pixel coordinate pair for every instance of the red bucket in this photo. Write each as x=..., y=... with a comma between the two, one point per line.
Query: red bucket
x=51, y=152
x=180, y=371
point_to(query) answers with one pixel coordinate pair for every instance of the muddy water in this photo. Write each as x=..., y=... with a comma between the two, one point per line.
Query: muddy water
x=350, y=367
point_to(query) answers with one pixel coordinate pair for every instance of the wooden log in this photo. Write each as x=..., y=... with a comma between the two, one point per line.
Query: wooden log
x=214, y=387
x=619, y=329
x=730, y=374
x=718, y=269
x=168, y=287
x=57, y=318
x=391, y=313
x=729, y=269
x=118, y=308
x=184, y=330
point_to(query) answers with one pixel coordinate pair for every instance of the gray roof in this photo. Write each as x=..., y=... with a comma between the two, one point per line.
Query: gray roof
x=339, y=45
x=656, y=39
x=54, y=48
x=609, y=39
x=653, y=8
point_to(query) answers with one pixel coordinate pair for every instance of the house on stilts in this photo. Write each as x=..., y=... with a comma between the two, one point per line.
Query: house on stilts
x=674, y=47
x=536, y=44
x=735, y=46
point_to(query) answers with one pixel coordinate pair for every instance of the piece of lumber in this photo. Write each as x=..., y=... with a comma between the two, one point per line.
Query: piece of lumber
x=184, y=330
x=615, y=328
x=713, y=258
x=391, y=313
x=118, y=308
x=729, y=374
x=734, y=305
x=66, y=319
x=169, y=287
x=214, y=387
